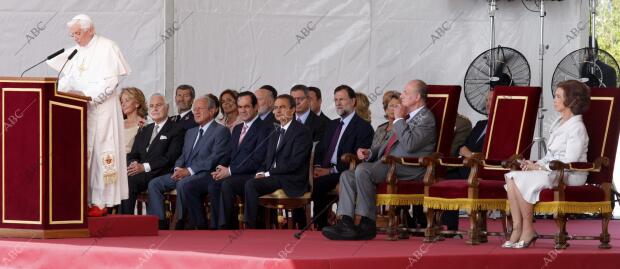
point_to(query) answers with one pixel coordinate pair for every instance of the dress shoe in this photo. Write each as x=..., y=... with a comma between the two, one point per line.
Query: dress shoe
x=163, y=225
x=95, y=211
x=367, y=229
x=509, y=244
x=180, y=225
x=523, y=244
x=344, y=229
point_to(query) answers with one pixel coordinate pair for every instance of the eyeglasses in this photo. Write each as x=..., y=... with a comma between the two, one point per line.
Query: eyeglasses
x=78, y=34
x=156, y=106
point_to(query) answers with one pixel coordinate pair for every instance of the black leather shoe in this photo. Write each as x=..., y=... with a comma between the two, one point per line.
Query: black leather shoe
x=180, y=225
x=367, y=229
x=344, y=229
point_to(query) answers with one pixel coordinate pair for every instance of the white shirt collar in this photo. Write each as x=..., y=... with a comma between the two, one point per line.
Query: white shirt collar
x=264, y=115
x=303, y=116
x=249, y=124
x=162, y=123
x=285, y=127
x=348, y=118
x=206, y=126
x=415, y=112
x=185, y=113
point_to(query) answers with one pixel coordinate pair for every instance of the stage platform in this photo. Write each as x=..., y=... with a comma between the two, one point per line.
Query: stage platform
x=279, y=249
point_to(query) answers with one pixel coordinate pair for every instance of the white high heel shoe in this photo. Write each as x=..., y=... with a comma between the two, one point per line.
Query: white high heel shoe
x=509, y=244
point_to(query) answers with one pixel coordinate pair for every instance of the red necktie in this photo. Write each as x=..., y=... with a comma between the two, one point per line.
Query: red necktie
x=393, y=139
x=390, y=144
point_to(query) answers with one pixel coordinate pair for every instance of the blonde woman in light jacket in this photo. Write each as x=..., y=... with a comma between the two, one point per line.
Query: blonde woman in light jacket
x=568, y=142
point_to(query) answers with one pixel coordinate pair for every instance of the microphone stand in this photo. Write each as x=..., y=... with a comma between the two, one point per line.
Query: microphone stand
x=302, y=231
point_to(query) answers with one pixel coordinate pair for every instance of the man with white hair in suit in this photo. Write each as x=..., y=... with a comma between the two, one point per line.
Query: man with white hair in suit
x=414, y=136
x=94, y=72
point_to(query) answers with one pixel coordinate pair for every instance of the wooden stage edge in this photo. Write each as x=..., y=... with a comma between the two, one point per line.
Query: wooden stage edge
x=43, y=234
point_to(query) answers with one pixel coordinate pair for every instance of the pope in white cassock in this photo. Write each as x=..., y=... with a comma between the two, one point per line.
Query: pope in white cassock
x=94, y=72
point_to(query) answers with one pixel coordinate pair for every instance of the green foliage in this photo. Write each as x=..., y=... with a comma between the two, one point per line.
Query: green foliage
x=608, y=26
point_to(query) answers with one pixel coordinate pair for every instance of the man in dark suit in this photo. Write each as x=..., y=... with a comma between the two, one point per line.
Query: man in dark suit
x=286, y=162
x=414, y=136
x=303, y=114
x=343, y=135
x=154, y=151
x=266, y=95
x=204, y=147
x=184, y=97
x=314, y=95
x=473, y=143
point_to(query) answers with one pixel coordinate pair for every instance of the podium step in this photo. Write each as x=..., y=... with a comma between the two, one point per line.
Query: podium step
x=123, y=225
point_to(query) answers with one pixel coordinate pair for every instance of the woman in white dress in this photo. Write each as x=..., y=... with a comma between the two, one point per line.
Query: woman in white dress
x=134, y=109
x=568, y=142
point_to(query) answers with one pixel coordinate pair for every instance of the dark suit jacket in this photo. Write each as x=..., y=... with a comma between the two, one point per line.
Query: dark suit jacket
x=187, y=122
x=316, y=124
x=358, y=134
x=247, y=157
x=212, y=149
x=325, y=118
x=270, y=119
x=292, y=159
x=162, y=153
x=472, y=142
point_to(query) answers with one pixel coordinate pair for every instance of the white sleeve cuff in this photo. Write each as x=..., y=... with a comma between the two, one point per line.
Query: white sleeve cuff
x=191, y=172
x=266, y=174
x=147, y=167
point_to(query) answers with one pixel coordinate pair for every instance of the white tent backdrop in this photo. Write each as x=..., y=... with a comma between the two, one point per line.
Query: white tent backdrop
x=372, y=45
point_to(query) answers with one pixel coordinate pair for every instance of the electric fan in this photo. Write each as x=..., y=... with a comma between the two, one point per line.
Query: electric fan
x=510, y=68
x=592, y=66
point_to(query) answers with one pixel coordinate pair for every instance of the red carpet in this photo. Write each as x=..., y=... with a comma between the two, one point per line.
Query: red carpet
x=279, y=249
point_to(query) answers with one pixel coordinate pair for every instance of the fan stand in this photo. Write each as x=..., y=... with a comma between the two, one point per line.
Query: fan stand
x=492, y=9
x=540, y=139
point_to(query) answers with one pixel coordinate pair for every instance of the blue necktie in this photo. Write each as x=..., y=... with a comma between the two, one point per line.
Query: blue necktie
x=332, y=147
x=275, y=153
x=195, y=144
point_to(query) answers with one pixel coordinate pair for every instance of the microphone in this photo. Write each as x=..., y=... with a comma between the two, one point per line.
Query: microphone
x=52, y=56
x=63, y=66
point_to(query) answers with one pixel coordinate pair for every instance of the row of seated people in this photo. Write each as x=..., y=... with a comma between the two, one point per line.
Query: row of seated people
x=260, y=158
x=157, y=146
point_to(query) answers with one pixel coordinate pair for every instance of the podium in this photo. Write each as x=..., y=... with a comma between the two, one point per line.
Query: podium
x=44, y=160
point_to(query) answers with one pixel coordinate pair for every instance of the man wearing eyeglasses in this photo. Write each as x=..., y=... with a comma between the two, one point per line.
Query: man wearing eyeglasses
x=303, y=113
x=95, y=72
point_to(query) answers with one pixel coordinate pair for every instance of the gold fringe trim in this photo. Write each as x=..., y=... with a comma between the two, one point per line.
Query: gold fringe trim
x=464, y=203
x=400, y=199
x=567, y=207
x=109, y=178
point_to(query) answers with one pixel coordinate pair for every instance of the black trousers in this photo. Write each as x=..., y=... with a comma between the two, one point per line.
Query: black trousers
x=231, y=187
x=136, y=184
x=193, y=201
x=322, y=186
x=255, y=188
